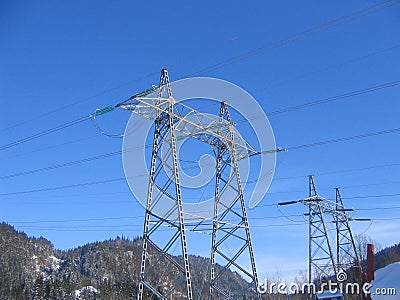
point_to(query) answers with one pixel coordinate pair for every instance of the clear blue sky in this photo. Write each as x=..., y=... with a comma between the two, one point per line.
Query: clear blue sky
x=60, y=61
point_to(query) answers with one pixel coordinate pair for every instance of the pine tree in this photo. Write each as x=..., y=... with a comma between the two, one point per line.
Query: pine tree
x=38, y=289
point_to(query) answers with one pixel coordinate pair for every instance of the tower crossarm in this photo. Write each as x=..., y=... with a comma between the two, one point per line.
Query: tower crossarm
x=189, y=122
x=327, y=206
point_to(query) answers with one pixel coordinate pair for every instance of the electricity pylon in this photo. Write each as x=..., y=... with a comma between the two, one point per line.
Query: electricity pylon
x=165, y=225
x=321, y=262
x=230, y=221
x=346, y=253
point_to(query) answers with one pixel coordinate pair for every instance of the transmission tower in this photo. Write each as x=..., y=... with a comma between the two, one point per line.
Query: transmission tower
x=321, y=262
x=165, y=226
x=347, y=256
x=237, y=228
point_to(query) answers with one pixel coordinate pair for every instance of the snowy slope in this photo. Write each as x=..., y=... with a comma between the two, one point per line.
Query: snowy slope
x=387, y=277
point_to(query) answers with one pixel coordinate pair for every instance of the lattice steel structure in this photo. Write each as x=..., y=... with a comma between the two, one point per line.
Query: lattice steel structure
x=234, y=211
x=347, y=257
x=321, y=262
x=166, y=222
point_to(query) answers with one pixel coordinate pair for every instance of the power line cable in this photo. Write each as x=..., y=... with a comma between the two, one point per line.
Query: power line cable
x=80, y=101
x=51, y=147
x=334, y=98
x=373, y=196
x=341, y=171
x=251, y=53
x=137, y=217
x=315, y=144
x=323, y=69
x=45, y=132
x=299, y=36
x=344, y=139
x=64, y=187
x=123, y=227
x=284, y=110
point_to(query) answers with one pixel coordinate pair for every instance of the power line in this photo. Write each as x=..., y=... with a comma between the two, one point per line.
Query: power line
x=251, y=53
x=284, y=110
x=373, y=196
x=63, y=165
x=334, y=98
x=342, y=187
x=344, y=139
x=45, y=132
x=137, y=217
x=323, y=101
x=356, y=59
x=315, y=144
x=64, y=187
x=379, y=208
x=346, y=198
x=298, y=36
x=80, y=101
x=124, y=226
x=52, y=146
x=341, y=171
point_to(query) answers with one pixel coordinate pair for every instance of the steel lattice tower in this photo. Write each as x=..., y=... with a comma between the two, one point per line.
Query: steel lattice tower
x=321, y=262
x=346, y=252
x=237, y=226
x=165, y=225
x=164, y=134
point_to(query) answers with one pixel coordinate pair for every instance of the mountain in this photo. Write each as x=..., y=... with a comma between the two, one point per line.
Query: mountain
x=31, y=268
x=387, y=256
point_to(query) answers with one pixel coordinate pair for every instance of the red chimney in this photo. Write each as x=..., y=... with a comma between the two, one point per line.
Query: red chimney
x=370, y=263
x=369, y=275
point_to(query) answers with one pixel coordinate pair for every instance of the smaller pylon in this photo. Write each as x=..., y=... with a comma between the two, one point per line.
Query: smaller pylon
x=347, y=257
x=321, y=262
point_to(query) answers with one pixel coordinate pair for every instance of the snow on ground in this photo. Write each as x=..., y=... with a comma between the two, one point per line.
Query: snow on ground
x=386, y=278
x=54, y=262
x=85, y=291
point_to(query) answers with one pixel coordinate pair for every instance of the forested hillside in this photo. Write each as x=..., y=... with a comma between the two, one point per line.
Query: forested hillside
x=30, y=268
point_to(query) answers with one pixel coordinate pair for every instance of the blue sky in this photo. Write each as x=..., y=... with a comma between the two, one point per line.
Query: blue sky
x=61, y=61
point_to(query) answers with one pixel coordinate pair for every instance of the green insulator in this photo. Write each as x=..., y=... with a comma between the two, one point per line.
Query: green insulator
x=144, y=93
x=104, y=110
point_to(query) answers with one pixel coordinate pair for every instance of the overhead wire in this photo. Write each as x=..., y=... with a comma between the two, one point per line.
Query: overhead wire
x=139, y=175
x=45, y=132
x=124, y=226
x=79, y=101
x=251, y=53
x=325, y=68
x=51, y=147
x=141, y=216
x=298, y=36
x=335, y=98
x=315, y=144
x=284, y=110
x=344, y=139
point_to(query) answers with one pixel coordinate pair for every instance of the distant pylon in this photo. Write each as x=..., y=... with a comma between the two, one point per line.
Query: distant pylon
x=346, y=253
x=321, y=262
